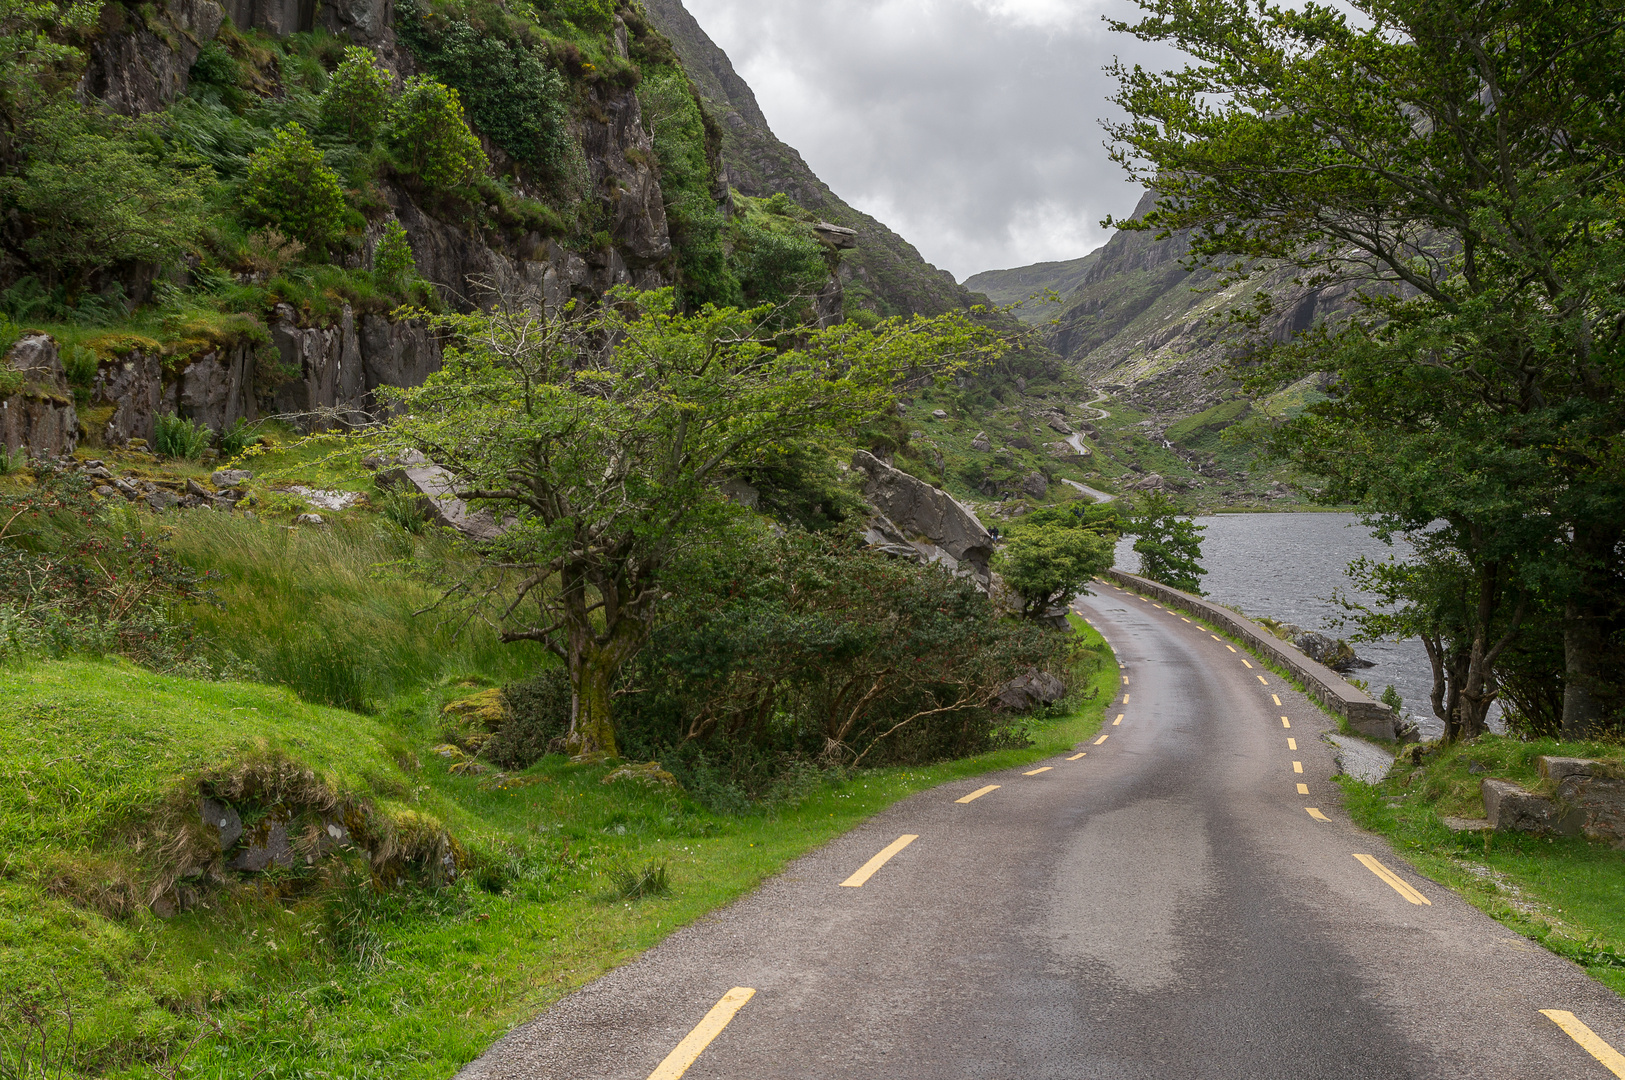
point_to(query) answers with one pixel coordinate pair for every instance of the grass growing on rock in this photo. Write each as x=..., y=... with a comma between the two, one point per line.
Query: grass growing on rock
x=294, y=975
x=1568, y=893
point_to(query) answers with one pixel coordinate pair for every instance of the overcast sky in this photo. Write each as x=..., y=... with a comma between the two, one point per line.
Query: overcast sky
x=971, y=127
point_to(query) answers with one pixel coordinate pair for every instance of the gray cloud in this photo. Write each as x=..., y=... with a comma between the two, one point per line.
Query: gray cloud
x=969, y=126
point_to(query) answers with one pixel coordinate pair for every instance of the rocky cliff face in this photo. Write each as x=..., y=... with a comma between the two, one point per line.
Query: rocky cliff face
x=1143, y=326
x=885, y=267
x=140, y=62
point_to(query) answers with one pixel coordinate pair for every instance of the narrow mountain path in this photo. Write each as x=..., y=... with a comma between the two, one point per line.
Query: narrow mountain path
x=1182, y=897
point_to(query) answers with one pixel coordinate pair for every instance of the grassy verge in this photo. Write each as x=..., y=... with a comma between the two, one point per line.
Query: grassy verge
x=308, y=973
x=1566, y=893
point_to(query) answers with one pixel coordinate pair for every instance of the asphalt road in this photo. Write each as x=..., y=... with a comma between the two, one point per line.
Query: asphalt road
x=1164, y=906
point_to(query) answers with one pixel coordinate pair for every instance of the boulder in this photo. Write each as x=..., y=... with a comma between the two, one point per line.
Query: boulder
x=435, y=487
x=222, y=819
x=1031, y=690
x=1511, y=808
x=227, y=478
x=1021, y=442
x=1336, y=653
x=331, y=501
x=266, y=845
x=915, y=515
x=981, y=444
x=1035, y=486
x=309, y=519
x=938, y=414
x=737, y=490
x=836, y=236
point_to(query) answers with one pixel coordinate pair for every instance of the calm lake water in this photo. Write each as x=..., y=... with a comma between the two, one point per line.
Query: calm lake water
x=1286, y=566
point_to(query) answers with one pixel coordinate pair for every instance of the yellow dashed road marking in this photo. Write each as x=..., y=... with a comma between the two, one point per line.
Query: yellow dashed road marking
x=978, y=793
x=689, y=1050
x=1183, y=619
x=1303, y=789
x=1232, y=648
x=1035, y=772
x=1125, y=699
x=1075, y=757
x=1612, y=1059
x=1297, y=766
x=1400, y=885
x=867, y=870
x=1265, y=682
x=1277, y=699
x=1100, y=740
x=1215, y=637
x=1246, y=664
x=1118, y=721
x=1285, y=722
x=1316, y=814
x=1292, y=744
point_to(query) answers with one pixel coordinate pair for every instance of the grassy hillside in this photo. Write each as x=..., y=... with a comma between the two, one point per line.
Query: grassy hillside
x=432, y=896
x=1026, y=285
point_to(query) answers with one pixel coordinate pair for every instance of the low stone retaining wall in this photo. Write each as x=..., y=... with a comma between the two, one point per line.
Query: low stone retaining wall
x=1368, y=717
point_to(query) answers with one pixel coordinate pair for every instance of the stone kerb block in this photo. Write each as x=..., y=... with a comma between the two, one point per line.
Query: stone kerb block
x=1591, y=794
x=1511, y=808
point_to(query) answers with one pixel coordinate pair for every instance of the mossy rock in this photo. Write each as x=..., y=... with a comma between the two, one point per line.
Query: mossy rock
x=486, y=710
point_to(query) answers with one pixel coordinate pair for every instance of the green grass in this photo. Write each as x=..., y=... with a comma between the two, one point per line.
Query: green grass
x=305, y=977
x=1566, y=893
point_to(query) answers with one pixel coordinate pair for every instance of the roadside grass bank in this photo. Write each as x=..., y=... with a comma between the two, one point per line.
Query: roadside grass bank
x=1567, y=893
x=311, y=971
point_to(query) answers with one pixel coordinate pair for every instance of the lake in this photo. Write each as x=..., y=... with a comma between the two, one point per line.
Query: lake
x=1285, y=566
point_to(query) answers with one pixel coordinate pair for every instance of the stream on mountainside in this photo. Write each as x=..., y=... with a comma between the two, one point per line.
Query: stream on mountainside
x=1285, y=566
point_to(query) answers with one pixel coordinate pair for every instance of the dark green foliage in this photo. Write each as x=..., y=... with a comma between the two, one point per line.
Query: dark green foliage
x=177, y=437
x=776, y=266
x=807, y=649
x=356, y=101
x=430, y=135
x=538, y=713
x=290, y=186
x=511, y=96
x=392, y=261
x=1170, y=546
x=79, y=365
x=799, y=485
x=93, y=190
x=686, y=142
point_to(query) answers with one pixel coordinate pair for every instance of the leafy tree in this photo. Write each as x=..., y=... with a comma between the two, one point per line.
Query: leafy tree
x=35, y=60
x=1169, y=546
x=356, y=101
x=90, y=193
x=393, y=263
x=1048, y=564
x=517, y=101
x=603, y=435
x=775, y=267
x=291, y=187
x=1458, y=161
x=428, y=132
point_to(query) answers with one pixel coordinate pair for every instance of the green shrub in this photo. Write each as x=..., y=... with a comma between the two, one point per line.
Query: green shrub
x=634, y=884
x=237, y=438
x=430, y=135
x=688, y=147
x=393, y=264
x=177, y=437
x=356, y=101
x=404, y=510
x=90, y=193
x=775, y=266
x=289, y=186
x=79, y=364
x=11, y=461
x=511, y=96
x=538, y=713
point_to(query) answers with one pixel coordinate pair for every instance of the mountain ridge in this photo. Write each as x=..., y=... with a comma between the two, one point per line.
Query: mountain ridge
x=885, y=274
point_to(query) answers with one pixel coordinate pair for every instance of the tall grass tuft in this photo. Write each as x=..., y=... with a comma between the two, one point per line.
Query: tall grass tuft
x=330, y=612
x=177, y=437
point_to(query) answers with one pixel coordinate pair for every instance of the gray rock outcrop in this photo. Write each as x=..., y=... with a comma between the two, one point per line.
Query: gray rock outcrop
x=1031, y=690
x=914, y=518
x=435, y=488
x=41, y=417
x=1511, y=808
x=1593, y=792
